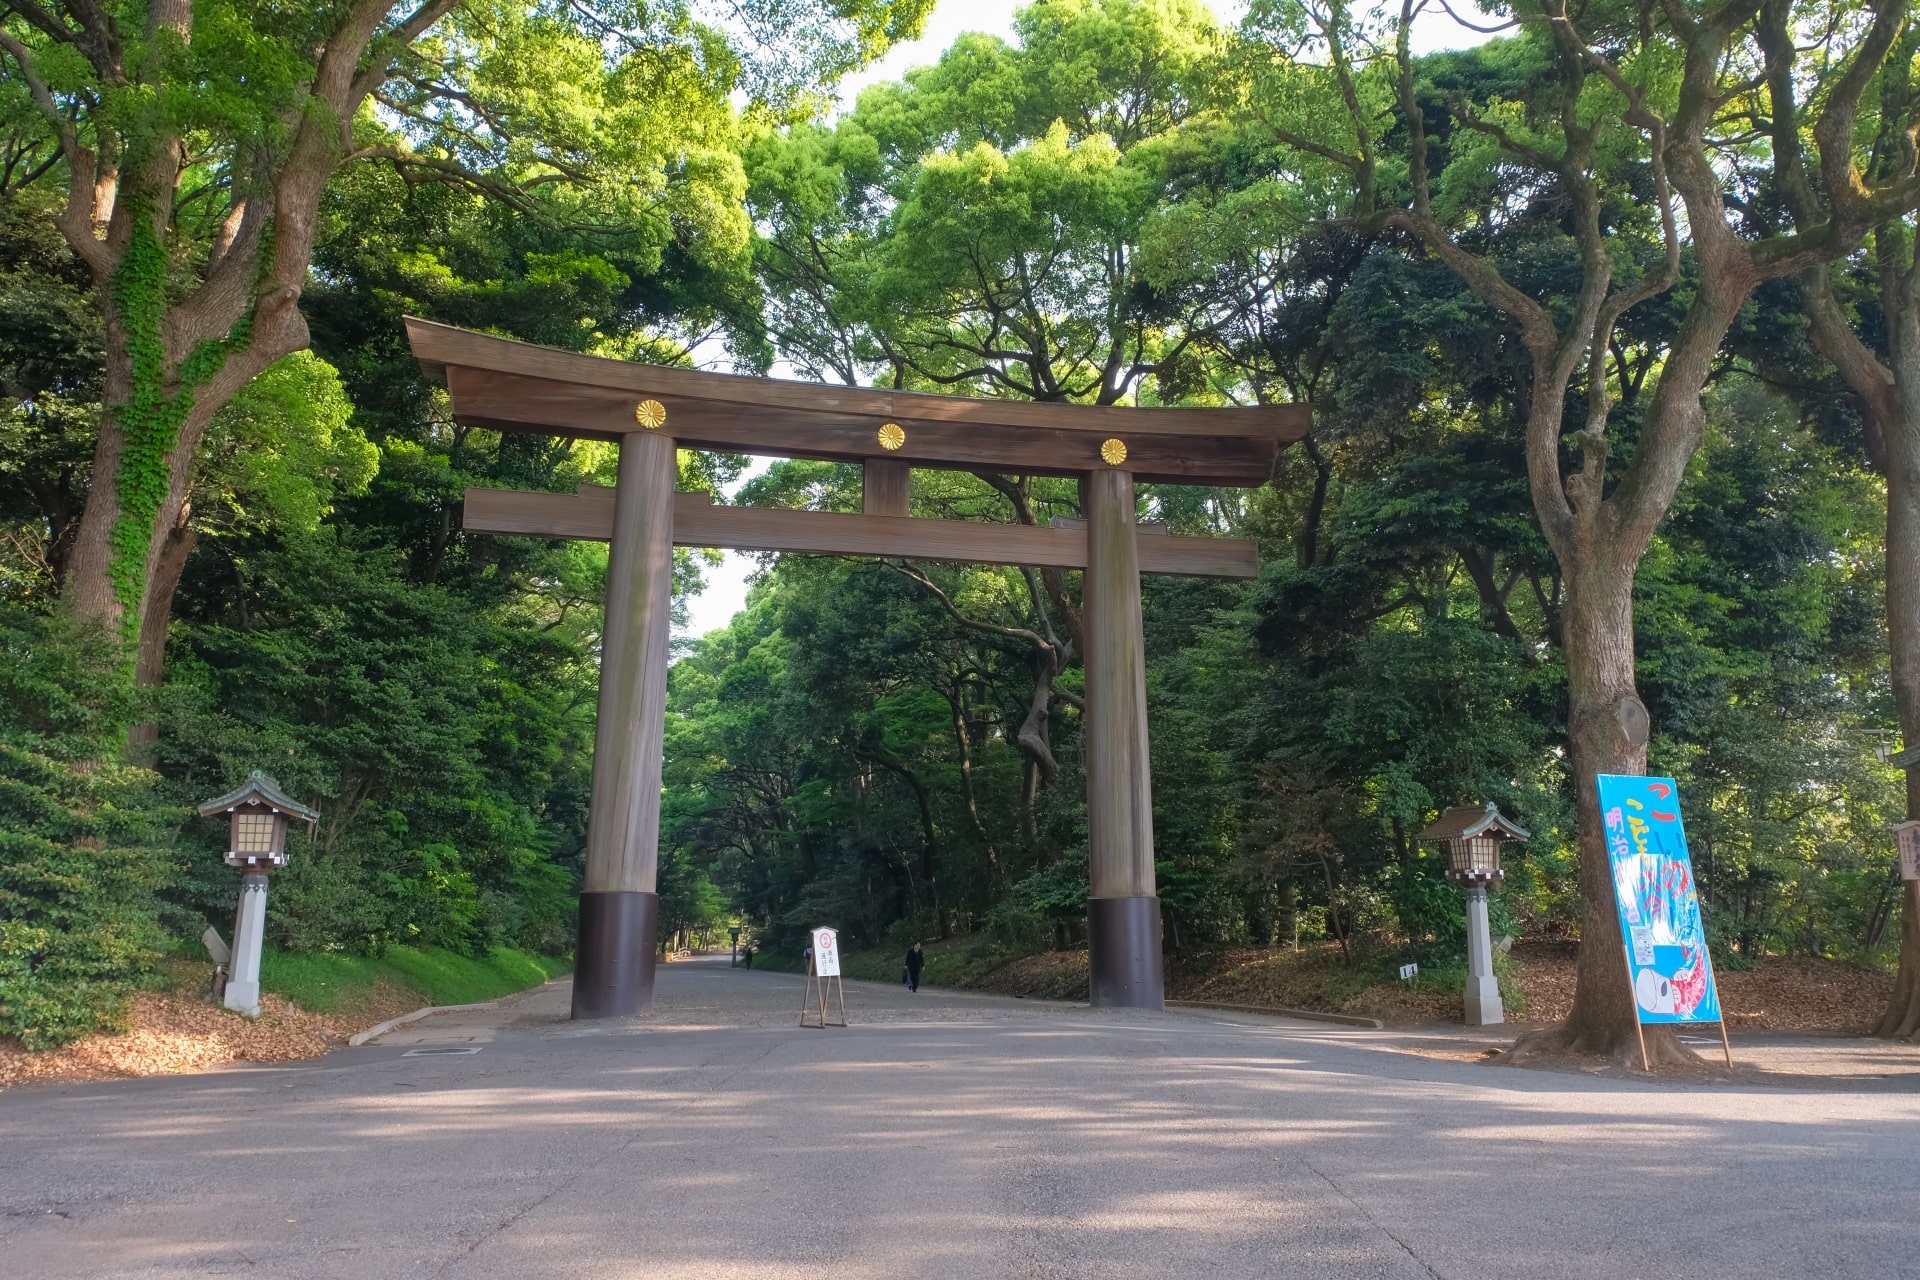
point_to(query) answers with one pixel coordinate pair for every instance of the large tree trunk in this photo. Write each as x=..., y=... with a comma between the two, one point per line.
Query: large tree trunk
x=150, y=661
x=963, y=743
x=1901, y=440
x=279, y=329
x=89, y=587
x=120, y=223
x=1889, y=394
x=1607, y=729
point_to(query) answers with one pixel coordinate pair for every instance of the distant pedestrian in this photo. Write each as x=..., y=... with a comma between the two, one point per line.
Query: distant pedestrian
x=916, y=961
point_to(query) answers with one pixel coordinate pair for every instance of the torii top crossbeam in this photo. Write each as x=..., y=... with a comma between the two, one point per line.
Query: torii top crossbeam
x=513, y=386
x=652, y=411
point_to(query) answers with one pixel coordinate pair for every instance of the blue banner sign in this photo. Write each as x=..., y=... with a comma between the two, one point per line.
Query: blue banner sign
x=1659, y=908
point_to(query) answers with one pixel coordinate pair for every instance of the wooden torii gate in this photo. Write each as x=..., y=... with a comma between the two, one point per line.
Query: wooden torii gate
x=651, y=412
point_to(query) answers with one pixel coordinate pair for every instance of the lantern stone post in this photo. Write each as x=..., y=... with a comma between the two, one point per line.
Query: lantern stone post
x=1481, y=999
x=257, y=813
x=1473, y=835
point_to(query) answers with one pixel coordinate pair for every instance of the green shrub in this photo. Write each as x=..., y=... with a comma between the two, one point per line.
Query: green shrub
x=1432, y=912
x=1014, y=930
x=82, y=839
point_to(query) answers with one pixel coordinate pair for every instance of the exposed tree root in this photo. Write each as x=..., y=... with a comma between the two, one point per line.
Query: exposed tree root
x=1901, y=1021
x=1569, y=1040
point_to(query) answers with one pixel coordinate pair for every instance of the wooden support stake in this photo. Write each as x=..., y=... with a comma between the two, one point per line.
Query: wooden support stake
x=1639, y=1027
x=1726, y=1046
x=816, y=991
x=814, y=984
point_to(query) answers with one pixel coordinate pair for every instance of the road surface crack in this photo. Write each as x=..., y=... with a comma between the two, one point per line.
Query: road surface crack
x=506, y=1224
x=1377, y=1225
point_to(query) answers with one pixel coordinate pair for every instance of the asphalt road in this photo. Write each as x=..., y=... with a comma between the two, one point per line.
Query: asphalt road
x=942, y=1135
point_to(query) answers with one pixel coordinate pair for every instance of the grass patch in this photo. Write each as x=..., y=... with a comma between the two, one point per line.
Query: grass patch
x=335, y=982
x=949, y=963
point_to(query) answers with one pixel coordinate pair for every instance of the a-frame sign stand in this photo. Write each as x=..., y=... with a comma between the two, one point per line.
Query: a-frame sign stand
x=652, y=412
x=823, y=980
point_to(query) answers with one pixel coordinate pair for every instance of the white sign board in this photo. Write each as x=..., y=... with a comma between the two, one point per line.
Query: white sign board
x=826, y=953
x=1907, y=836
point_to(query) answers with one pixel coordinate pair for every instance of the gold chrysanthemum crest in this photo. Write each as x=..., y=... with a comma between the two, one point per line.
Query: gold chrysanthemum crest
x=891, y=436
x=1114, y=452
x=650, y=414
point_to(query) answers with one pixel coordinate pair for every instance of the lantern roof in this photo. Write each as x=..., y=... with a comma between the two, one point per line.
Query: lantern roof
x=260, y=788
x=1468, y=820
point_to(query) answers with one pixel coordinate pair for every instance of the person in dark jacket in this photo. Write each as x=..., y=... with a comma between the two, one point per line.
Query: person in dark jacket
x=916, y=961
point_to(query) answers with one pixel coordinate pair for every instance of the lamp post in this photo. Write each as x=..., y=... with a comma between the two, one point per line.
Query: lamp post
x=257, y=813
x=1473, y=835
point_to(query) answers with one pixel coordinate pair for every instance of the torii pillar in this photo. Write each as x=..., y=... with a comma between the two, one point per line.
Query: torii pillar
x=619, y=907
x=1123, y=913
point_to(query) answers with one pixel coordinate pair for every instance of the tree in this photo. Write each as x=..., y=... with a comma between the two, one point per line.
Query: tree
x=978, y=229
x=1601, y=131
x=276, y=455
x=195, y=143
x=50, y=373
x=1878, y=357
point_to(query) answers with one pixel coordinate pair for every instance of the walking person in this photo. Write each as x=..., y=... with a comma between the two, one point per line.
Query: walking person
x=916, y=961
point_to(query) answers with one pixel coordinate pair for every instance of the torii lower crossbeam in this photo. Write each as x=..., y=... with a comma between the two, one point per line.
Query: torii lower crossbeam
x=699, y=523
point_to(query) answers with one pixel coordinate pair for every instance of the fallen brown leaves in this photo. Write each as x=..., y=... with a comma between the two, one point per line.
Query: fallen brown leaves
x=1398, y=1005
x=1051, y=975
x=1283, y=977
x=1455, y=1055
x=172, y=1032
x=1778, y=995
x=1804, y=995
x=1547, y=978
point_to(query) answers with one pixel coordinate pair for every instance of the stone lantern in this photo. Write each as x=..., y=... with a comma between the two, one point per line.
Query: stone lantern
x=257, y=843
x=1472, y=835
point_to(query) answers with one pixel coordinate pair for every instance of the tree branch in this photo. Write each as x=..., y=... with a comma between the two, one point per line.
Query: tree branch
x=992, y=628
x=76, y=220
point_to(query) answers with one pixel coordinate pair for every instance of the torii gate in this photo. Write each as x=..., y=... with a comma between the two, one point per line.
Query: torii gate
x=652, y=411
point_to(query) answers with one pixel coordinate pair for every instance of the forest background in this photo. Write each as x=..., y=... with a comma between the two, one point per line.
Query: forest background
x=1130, y=202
